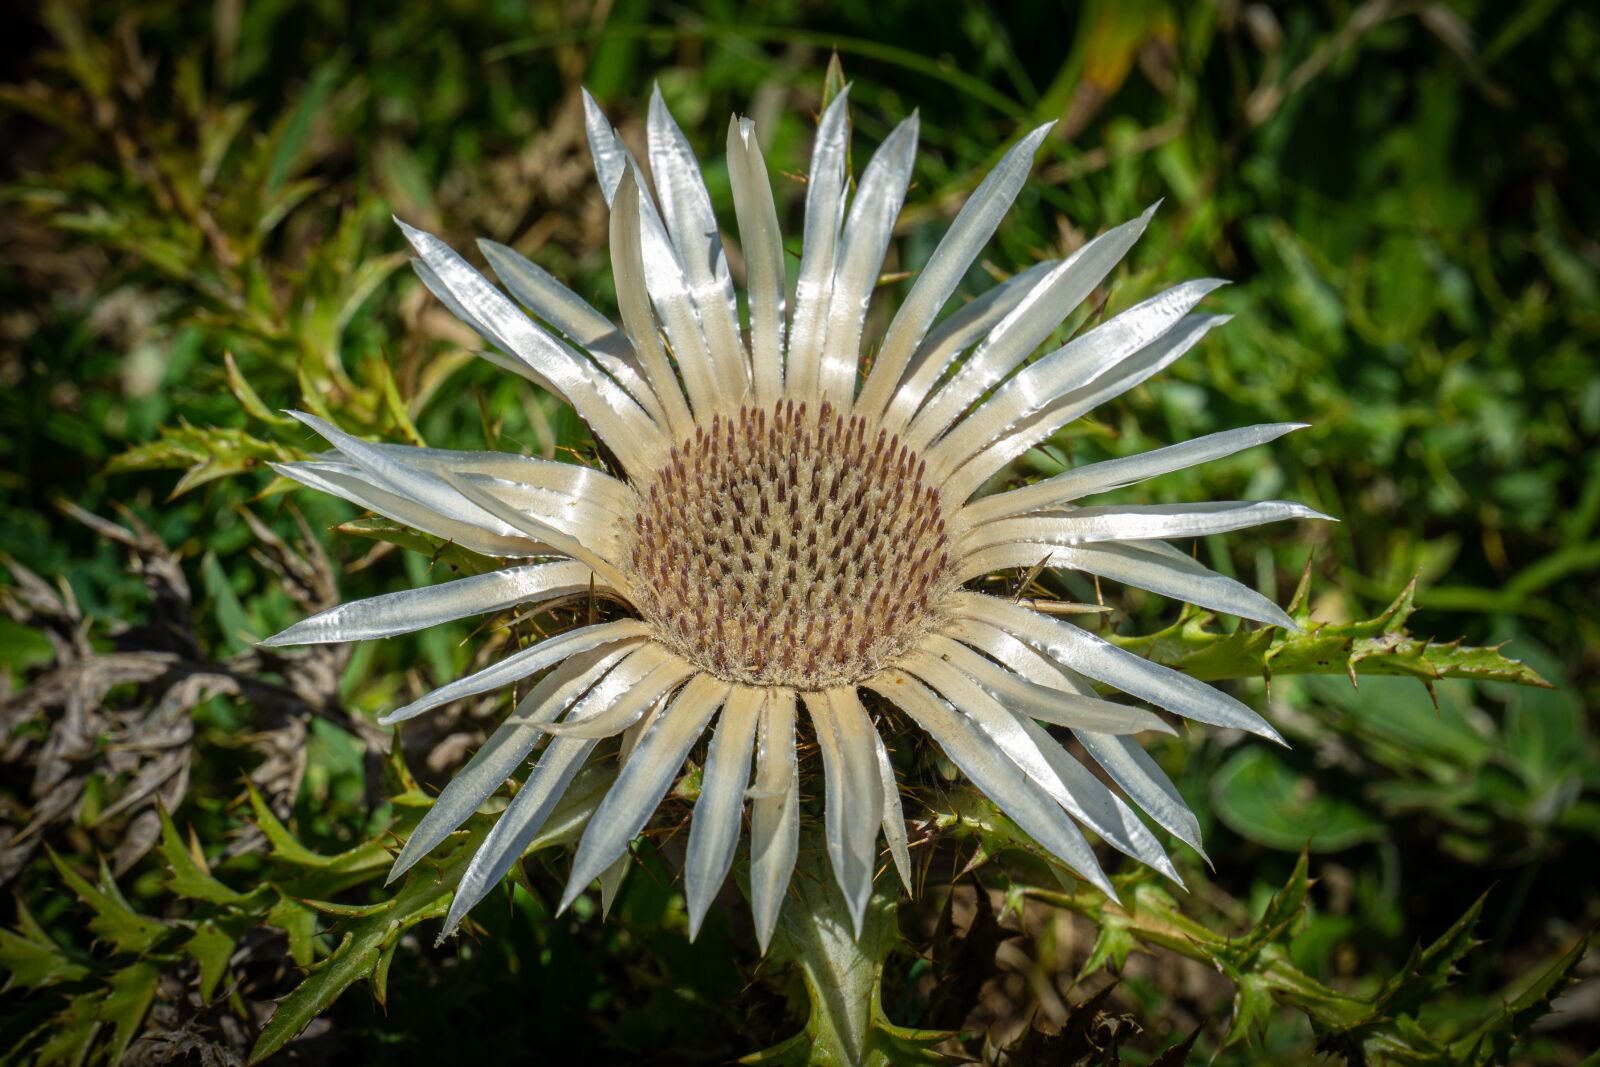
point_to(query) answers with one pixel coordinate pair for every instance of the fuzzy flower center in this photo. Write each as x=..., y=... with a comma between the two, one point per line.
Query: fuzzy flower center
x=781, y=547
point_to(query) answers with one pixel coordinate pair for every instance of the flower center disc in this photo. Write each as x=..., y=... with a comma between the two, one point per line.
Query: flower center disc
x=779, y=547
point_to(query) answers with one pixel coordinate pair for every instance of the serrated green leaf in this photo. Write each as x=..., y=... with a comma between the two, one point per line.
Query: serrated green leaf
x=185, y=876
x=211, y=947
x=31, y=963
x=1113, y=943
x=72, y=1032
x=130, y=991
x=1428, y=970
x=1491, y=1042
x=1287, y=905
x=1378, y=646
x=248, y=398
x=1252, y=1006
x=114, y=921
x=843, y=977
x=208, y=454
x=366, y=948
x=425, y=894
x=300, y=923
x=366, y=858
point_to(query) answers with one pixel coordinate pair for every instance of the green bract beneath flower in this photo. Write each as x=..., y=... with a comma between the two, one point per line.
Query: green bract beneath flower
x=790, y=531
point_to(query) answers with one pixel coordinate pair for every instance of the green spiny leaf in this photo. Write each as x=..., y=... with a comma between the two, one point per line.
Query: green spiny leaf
x=211, y=947
x=367, y=858
x=1491, y=1042
x=32, y=959
x=367, y=947
x=424, y=895
x=248, y=398
x=186, y=876
x=1428, y=970
x=131, y=989
x=1252, y=1005
x=72, y=1032
x=843, y=976
x=1112, y=944
x=208, y=454
x=300, y=923
x=1287, y=905
x=114, y=921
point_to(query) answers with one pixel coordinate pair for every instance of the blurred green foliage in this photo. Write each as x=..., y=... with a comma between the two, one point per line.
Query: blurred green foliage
x=196, y=234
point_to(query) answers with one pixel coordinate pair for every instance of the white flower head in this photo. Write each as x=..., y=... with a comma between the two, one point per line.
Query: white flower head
x=794, y=524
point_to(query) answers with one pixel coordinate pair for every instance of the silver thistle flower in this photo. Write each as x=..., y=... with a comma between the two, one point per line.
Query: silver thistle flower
x=790, y=532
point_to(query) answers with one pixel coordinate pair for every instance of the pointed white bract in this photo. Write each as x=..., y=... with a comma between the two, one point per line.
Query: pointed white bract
x=861, y=250
x=763, y=257
x=774, y=813
x=894, y=819
x=644, y=780
x=854, y=792
x=787, y=533
x=686, y=209
x=714, y=831
x=825, y=193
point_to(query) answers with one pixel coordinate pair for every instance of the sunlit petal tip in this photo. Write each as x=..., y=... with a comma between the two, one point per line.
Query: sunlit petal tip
x=1301, y=511
x=397, y=870
x=416, y=236
x=283, y=639
x=1285, y=621
x=1102, y=883
x=572, y=892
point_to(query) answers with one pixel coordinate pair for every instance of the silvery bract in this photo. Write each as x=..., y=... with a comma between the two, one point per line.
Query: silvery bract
x=795, y=524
